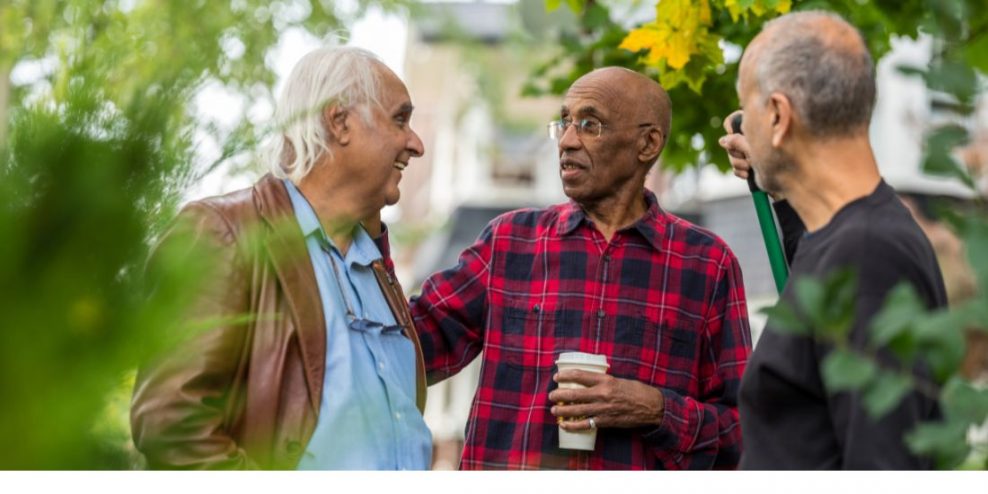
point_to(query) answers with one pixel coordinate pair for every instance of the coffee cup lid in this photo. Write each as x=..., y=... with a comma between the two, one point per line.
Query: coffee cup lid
x=582, y=358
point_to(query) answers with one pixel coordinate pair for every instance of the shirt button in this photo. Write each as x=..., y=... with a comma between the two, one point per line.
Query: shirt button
x=380, y=365
x=607, y=258
x=600, y=314
x=397, y=415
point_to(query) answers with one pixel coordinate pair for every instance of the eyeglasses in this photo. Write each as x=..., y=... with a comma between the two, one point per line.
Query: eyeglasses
x=353, y=322
x=584, y=127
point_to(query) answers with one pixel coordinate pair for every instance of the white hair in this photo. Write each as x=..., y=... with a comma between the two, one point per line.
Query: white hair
x=338, y=75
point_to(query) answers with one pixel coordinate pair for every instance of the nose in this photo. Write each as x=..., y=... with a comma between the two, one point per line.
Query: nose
x=570, y=139
x=415, y=146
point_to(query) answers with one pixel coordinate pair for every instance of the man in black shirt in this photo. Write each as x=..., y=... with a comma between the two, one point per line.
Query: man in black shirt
x=807, y=87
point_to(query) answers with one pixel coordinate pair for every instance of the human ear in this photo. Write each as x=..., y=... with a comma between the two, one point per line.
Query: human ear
x=335, y=119
x=782, y=117
x=650, y=145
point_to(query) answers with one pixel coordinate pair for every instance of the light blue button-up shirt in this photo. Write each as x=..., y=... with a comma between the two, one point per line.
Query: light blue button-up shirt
x=367, y=419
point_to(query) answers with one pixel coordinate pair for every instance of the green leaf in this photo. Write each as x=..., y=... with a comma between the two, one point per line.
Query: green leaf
x=941, y=337
x=975, y=53
x=551, y=5
x=900, y=310
x=947, y=441
x=949, y=16
x=844, y=370
x=575, y=5
x=784, y=319
x=957, y=79
x=911, y=71
x=840, y=297
x=596, y=17
x=964, y=402
x=810, y=294
x=976, y=244
x=940, y=146
x=885, y=393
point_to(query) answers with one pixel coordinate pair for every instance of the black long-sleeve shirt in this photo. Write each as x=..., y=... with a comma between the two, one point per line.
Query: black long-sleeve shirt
x=788, y=418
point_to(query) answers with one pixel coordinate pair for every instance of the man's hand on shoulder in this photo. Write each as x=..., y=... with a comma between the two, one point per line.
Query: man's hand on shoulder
x=611, y=401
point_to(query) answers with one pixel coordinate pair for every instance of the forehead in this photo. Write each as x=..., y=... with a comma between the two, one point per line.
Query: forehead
x=392, y=91
x=594, y=97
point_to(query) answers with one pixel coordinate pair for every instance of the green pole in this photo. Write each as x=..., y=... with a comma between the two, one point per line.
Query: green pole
x=766, y=220
x=776, y=256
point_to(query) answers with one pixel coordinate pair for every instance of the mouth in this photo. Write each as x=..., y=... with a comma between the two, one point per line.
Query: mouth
x=400, y=166
x=570, y=164
x=569, y=168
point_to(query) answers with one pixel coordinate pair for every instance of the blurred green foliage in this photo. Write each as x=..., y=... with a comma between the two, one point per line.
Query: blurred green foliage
x=85, y=185
x=94, y=156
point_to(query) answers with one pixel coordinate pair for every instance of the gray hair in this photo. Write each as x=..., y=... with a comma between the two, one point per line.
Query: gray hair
x=828, y=77
x=339, y=75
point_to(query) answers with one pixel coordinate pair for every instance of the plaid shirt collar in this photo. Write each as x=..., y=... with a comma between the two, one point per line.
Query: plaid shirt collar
x=652, y=225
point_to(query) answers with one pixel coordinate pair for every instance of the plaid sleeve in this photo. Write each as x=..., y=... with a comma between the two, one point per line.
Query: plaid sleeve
x=449, y=313
x=707, y=430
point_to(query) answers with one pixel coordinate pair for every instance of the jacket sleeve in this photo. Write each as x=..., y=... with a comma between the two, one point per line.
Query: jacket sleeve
x=704, y=431
x=183, y=393
x=449, y=313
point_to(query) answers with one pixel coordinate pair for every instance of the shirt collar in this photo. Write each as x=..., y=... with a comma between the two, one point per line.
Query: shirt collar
x=362, y=250
x=652, y=225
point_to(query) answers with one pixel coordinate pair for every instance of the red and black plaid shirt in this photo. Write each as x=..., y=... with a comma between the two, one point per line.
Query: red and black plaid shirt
x=663, y=300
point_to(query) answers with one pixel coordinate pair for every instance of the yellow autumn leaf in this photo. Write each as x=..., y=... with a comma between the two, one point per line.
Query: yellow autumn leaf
x=758, y=7
x=644, y=37
x=678, y=52
x=680, y=35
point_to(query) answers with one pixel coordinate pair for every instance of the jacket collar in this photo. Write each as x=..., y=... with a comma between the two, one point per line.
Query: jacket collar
x=286, y=247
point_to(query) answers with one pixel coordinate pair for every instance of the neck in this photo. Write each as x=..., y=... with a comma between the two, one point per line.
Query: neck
x=618, y=211
x=830, y=174
x=338, y=206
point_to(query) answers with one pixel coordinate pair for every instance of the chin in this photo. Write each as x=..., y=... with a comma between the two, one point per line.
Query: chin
x=573, y=193
x=392, y=198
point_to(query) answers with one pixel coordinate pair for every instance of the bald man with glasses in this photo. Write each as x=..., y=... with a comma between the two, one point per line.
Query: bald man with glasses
x=609, y=273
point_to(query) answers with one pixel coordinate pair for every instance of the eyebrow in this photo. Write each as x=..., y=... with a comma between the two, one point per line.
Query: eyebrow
x=405, y=107
x=583, y=110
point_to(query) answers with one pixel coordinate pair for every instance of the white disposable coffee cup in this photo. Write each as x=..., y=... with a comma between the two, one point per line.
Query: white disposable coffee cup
x=581, y=440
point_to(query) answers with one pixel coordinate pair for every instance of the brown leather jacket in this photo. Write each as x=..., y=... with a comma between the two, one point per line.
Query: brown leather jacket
x=245, y=392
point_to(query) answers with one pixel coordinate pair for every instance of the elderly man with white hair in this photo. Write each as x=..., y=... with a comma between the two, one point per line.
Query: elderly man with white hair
x=309, y=360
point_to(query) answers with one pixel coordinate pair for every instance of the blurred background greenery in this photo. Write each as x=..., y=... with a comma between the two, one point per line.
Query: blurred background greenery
x=104, y=141
x=96, y=154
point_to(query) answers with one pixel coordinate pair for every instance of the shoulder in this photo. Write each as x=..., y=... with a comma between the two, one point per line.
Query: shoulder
x=884, y=233
x=223, y=217
x=885, y=246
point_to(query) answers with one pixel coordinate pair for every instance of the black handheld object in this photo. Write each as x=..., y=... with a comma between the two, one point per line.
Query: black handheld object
x=736, y=129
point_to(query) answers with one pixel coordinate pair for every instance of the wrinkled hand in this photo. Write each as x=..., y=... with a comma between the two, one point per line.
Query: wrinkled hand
x=737, y=148
x=612, y=402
